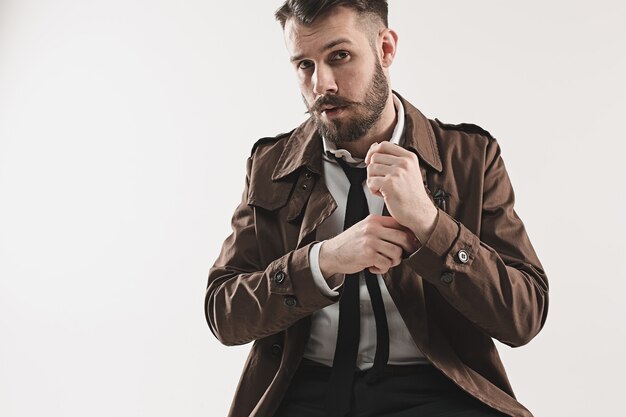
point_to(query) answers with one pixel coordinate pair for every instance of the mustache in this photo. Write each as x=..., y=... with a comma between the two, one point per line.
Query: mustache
x=330, y=100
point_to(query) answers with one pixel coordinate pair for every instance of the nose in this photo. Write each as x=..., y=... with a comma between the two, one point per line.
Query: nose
x=323, y=81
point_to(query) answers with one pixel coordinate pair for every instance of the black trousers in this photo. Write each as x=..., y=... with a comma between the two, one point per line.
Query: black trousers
x=402, y=391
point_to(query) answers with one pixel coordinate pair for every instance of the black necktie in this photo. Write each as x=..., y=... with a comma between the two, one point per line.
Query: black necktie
x=344, y=363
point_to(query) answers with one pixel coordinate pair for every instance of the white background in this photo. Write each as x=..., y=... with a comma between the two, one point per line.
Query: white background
x=124, y=129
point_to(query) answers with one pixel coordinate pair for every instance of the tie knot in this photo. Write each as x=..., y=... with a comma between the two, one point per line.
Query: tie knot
x=355, y=175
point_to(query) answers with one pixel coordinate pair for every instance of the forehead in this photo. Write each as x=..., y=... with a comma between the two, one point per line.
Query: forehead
x=341, y=23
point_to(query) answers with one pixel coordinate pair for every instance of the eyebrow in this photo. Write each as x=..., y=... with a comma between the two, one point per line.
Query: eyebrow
x=326, y=47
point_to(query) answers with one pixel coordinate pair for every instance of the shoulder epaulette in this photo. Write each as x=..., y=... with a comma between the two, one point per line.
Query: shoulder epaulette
x=268, y=139
x=464, y=127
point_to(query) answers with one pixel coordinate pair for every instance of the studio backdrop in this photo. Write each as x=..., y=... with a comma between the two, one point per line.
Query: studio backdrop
x=124, y=131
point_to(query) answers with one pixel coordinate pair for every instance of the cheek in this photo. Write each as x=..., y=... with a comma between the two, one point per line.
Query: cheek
x=352, y=82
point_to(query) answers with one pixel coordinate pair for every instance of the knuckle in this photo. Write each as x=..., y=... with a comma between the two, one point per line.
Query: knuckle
x=371, y=224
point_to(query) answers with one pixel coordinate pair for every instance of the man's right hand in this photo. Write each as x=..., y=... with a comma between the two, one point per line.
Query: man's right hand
x=376, y=243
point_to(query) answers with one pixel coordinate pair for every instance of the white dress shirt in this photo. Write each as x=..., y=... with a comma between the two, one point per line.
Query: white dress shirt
x=324, y=325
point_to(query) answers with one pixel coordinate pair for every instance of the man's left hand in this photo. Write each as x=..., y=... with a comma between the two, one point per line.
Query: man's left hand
x=393, y=173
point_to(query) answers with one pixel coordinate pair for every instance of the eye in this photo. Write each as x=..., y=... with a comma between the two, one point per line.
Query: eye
x=339, y=56
x=305, y=65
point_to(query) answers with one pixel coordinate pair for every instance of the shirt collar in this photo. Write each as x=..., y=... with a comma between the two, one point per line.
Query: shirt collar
x=330, y=149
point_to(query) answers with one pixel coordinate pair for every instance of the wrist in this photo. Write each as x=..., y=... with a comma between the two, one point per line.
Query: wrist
x=326, y=261
x=424, y=227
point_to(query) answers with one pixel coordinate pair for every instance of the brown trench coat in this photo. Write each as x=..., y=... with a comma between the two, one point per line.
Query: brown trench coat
x=261, y=289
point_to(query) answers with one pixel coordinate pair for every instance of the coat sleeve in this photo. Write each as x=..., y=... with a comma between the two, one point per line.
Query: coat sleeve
x=501, y=286
x=245, y=301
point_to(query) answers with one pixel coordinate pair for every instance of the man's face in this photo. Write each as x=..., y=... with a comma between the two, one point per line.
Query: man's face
x=339, y=74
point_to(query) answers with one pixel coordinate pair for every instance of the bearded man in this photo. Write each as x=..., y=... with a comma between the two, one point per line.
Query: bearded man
x=375, y=254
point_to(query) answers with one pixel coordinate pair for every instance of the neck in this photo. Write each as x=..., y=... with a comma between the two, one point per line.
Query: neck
x=381, y=131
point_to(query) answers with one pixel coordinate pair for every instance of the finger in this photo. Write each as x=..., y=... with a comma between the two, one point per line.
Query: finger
x=389, y=250
x=390, y=230
x=389, y=242
x=402, y=238
x=369, y=153
x=384, y=158
x=388, y=222
x=380, y=170
x=386, y=147
x=385, y=221
x=381, y=262
x=377, y=270
x=375, y=184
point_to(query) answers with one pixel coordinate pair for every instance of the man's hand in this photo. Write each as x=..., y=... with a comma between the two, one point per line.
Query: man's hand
x=376, y=242
x=393, y=173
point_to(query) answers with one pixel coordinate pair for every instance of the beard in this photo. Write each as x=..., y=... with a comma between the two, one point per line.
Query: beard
x=368, y=112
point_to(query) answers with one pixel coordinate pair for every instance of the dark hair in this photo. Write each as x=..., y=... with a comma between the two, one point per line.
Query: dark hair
x=306, y=11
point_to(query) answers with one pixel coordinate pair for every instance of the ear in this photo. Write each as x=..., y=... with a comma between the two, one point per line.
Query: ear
x=389, y=42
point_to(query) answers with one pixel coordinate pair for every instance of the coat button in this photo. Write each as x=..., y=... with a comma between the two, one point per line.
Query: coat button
x=307, y=175
x=290, y=301
x=462, y=256
x=279, y=277
x=447, y=277
x=277, y=349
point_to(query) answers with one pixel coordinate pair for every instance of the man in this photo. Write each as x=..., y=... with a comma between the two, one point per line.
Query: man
x=375, y=252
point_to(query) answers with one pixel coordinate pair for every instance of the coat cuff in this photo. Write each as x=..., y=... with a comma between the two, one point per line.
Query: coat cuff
x=292, y=276
x=450, y=247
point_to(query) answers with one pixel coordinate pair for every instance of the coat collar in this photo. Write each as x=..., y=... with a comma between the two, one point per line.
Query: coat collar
x=304, y=146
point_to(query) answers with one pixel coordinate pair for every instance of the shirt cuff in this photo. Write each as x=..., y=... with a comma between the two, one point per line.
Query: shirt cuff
x=314, y=259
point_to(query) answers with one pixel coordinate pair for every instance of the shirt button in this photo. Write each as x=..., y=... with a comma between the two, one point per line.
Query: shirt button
x=447, y=277
x=279, y=277
x=290, y=301
x=462, y=256
x=361, y=306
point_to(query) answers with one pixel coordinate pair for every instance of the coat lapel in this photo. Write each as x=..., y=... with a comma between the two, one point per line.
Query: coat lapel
x=304, y=149
x=419, y=137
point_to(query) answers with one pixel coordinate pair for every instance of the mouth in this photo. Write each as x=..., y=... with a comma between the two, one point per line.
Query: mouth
x=332, y=111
